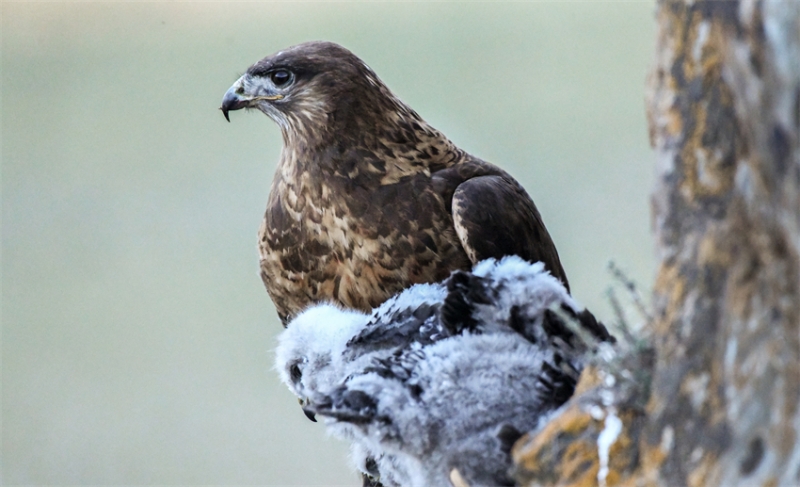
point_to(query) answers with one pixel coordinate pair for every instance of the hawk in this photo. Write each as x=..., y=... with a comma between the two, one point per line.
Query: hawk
x=444, y=375
x=368, y=199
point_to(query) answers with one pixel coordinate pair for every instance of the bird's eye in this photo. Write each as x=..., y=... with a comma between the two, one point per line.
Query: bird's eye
x=280, y=77
x=295, y=373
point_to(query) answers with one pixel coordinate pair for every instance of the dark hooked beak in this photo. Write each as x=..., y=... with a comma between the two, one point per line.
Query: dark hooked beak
x=310, y=414
x=232, y=101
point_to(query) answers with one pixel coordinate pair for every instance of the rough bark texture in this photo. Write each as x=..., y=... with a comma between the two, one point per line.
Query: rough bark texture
x=723, y=396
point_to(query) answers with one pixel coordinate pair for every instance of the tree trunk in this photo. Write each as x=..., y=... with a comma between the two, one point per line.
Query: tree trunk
x=720, y=404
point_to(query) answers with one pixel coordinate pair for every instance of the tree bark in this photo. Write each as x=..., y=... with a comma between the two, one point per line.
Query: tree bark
x=720, y=403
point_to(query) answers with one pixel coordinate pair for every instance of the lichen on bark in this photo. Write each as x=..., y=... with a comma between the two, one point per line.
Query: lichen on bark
x=723, y=107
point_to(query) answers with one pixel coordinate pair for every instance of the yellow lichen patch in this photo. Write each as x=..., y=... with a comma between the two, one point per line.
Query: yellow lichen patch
x=716, y=402
x=705, y=174
x=771, y=482
x=713, y=250
x=530, y=450
x=565, y=452
x=674, y=123
x=668, y=282
x=697, y=72
x=580, y=463
x=590, y=378
x=741, y=288
x=671, y=285
x=652, y=457
x=692, y=37
x=705, y=472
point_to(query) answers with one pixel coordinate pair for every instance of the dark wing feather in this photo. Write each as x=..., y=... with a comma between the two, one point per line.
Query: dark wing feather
x=464, y=291
x=398, y=329
x=399, y=367
x=495, y=217
x=556, y=383
x=557, y=328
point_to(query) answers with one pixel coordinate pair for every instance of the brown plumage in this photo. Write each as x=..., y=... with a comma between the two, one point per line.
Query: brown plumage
x=368, y=199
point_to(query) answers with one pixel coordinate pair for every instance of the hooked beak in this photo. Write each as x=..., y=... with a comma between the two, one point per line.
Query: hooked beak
x=232, y=101
x=310, y=414
x=236, y=98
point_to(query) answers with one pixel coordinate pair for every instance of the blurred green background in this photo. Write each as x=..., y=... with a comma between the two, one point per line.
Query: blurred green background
x=136, y=336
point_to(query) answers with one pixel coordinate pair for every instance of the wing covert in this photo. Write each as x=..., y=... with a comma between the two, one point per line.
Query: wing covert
x=495, y=217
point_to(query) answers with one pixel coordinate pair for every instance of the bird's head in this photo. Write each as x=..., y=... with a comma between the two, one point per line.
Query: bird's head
x=309, y=355
x=315, y=88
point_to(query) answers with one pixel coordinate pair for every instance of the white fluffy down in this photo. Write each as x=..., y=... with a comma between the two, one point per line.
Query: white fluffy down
x=523, y=286
x=314, y=341
x=441, y=408
x=471, y=385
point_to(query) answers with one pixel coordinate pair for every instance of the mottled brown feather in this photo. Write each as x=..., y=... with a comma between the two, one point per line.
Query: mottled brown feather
x=367, y=196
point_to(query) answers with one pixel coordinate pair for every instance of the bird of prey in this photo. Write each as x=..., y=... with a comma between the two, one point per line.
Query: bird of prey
x=442, y=376
x=325, y=343
x=368, y=199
